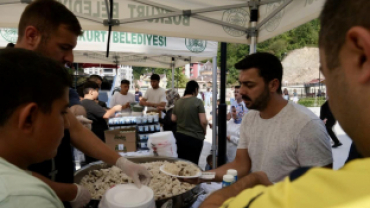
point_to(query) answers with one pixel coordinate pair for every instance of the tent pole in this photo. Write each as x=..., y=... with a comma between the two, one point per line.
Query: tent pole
x=253, y=45
x=253, y=32
x=222, y=109
x=173, y=73
x=214, y=106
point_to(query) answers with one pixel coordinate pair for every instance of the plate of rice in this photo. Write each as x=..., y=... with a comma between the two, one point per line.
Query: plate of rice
x=181, y=169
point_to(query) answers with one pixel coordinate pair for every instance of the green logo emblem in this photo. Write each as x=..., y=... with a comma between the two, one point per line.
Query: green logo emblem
x=236, y=17
x=195, y=45
x=10, y=35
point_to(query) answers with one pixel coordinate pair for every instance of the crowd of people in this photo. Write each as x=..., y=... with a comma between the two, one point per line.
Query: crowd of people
x=280, y=149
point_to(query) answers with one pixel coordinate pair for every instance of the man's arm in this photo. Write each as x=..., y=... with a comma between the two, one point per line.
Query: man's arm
x=109, y=113
x=65, y=191
x=86, y=141
x=78, y=110
x=242, y=164
x=143, y=102
x=219, y=197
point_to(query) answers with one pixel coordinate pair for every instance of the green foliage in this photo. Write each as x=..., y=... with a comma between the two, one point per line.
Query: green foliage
x=180, y=79
x=138, y=71
x=312, y=102
x=307, y=102
x=281, y=45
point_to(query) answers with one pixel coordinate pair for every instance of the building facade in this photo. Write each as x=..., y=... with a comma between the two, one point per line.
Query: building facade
x=192, y=71
x=123, y=72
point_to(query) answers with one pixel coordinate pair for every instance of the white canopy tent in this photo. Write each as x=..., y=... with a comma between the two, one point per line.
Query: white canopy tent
x=217, y=20
x=234, y=21
x=133, y=49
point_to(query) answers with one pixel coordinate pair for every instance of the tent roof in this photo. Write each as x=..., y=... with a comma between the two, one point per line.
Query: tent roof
x=217, y=20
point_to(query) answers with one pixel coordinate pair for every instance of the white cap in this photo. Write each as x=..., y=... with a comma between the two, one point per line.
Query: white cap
x=232, y=172
x=228, y=178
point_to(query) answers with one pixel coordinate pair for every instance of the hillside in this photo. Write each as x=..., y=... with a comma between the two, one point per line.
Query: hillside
x=301, y=65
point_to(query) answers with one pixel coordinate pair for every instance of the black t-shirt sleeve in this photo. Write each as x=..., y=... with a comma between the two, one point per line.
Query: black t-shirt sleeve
x=98, y=111
x=93, y=108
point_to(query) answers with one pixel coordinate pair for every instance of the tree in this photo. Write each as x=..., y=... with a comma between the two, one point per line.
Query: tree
x=304, y=35
x=180, y=78
x=138, y=71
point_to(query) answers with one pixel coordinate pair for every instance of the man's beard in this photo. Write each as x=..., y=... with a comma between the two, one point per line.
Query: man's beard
x=261, y=102
x=41, y=49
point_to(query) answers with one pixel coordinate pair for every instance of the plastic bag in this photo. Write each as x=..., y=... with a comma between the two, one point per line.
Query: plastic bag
x=163, y=144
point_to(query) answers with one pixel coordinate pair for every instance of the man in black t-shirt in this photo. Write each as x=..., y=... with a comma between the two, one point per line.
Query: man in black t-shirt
x=98, y=80
x=96, y=113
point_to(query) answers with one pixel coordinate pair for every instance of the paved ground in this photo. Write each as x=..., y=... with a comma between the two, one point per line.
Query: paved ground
x=340, y=154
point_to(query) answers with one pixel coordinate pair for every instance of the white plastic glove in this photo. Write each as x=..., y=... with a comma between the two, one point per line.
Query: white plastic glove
x=137, y=172
x=83, y=197
x=84, y=121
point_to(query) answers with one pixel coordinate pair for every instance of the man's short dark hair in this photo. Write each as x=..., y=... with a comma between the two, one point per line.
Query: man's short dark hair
x=90, y=85
x=29, y=77
x=269, y=66
x=155, y=77
x=95, y=77
x=125, y=81
x=237, y=87
x=47, y=16
x=337, y=17
x=80, y=91
x=10, y=45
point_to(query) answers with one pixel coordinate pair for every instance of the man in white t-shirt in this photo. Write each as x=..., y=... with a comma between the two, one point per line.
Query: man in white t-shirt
x=207, y=98
x=237, y=103
x=276, y=136
x=123, y=98
x=155, y=96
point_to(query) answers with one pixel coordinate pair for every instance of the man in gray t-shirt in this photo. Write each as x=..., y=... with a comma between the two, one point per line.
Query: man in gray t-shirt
x=276, y=136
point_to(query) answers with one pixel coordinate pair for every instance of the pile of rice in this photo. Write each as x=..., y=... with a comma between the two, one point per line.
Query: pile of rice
x=163, y=186
x=181, y=168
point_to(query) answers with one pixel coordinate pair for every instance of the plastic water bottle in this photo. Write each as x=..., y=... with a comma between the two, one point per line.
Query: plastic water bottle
x=233, y=173
x=227, y=180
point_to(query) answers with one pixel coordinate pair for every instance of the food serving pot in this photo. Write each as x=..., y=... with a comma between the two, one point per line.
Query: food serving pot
x=179, y=201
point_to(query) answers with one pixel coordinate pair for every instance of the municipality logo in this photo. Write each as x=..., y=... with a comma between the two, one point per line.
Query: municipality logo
x=195, y=45
x=238, y=17
x=274, y=22
x=10, y=35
